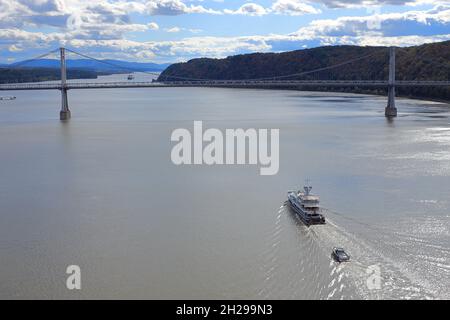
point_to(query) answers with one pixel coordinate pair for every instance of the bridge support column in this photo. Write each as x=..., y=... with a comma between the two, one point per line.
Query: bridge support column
x=391, y=110
x=64, y=114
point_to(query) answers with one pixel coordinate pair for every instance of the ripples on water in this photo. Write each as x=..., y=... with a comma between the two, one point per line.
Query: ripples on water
x=101, y=192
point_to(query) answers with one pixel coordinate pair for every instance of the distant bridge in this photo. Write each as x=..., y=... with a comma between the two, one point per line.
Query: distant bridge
x=271, y=82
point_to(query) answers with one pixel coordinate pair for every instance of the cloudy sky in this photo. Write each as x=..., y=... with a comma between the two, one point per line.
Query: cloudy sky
x=178, y=30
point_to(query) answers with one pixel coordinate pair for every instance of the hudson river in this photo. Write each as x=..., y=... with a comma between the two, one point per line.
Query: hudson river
x=101, y=192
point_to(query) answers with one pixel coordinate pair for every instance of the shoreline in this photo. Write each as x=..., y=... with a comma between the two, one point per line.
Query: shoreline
x=430, y=99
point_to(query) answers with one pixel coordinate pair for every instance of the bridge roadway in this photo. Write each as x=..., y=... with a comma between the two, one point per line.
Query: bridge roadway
x=219, y=83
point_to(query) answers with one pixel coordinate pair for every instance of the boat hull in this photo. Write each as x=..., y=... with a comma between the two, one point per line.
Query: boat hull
x=306, y=218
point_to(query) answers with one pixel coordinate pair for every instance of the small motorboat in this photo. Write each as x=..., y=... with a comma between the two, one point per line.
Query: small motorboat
x=339, y=255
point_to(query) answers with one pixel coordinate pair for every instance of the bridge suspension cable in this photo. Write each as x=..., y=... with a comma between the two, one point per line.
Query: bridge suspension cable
x=251, y=79
x=24, y=62
x=131, y=69
x=112, y=64
x=284, y=76
x=166, y=77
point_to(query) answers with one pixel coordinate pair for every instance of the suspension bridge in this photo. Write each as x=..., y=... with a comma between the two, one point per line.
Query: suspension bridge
x=177, y=81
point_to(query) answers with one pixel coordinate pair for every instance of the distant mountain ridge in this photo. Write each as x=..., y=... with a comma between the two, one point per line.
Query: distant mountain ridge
x=48, y=69
x=17, y=75
x=109, y=66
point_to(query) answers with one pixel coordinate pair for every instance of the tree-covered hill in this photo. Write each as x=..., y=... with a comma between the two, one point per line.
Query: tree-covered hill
x=425, y=62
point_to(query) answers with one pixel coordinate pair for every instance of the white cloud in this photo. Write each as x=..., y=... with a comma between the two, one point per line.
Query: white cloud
x=14, y=48
x=416, y=21
x=215, y=47
x=44, y=6
x=173, y=29
x=18, y=13
x=369, y=3
x=102, y=27
x=293, y=7
x=56, y=13
x=195, y=30
x=287, y=7
x=174, y=7
x=178, y=29
x=250, y=9
x=153, y=26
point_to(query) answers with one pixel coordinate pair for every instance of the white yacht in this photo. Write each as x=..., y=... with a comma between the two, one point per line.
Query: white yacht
x=306, y=206
x=8, y=98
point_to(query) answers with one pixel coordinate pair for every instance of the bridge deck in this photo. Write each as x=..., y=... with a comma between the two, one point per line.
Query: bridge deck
x=218, y=83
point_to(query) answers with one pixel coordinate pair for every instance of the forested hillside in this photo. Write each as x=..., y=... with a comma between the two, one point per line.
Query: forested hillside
x=425, y=62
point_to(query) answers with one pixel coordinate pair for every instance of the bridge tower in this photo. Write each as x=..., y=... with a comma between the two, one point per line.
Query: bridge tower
x=391, y=110
x=64, y=114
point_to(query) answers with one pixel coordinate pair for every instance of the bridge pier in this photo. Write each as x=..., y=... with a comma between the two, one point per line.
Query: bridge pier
x=64, y=114
x=391, y=110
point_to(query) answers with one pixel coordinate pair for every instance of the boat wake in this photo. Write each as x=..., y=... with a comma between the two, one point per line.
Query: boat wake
x=297, y=261
x=297, y=267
